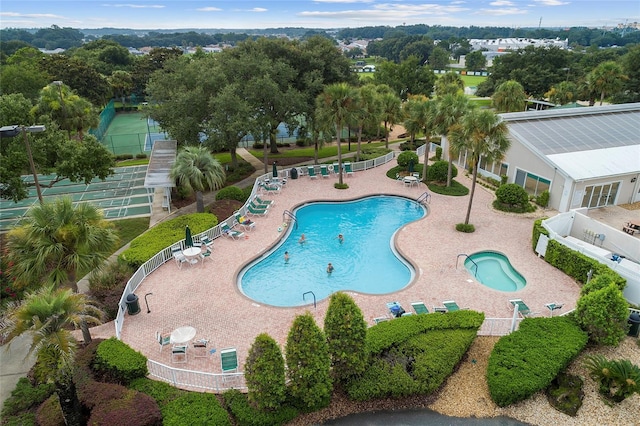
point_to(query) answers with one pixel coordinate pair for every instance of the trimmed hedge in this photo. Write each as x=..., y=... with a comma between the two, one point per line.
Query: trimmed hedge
x=537, y=230
x=163, y=235
x=49, y=413
x=246, y=415
x=231, y=193
x=130, y=408
x=195, y=408
x=119, y=362
x=527, y=360
x=577, y=265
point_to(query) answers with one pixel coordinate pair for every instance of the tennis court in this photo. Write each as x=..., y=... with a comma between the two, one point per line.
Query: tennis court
x=132, y=133
x=121, y=195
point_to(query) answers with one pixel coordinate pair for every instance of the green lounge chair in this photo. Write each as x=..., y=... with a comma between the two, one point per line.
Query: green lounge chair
x=230, y=233
x=263, y=203
x=347, y=169
x=312, y=172
x=419, y=308
x=452, y=306
x=324, y=171
x=246, y=223
x=395, y=309
x=523, y=309
x=229, y=360
x=255, y=210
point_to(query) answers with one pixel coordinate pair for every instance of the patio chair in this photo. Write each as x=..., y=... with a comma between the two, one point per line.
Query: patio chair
x=229, y=360
x=419, y=308
x=179, y=353
x=347, y=169
x=205, y=255
x=553, y=306
x=255, y=210
x=378, y=320
x=163, y=340
x=323, y=171
x=230, y=233
x=180, y=258
x=395, y=309
x=523, y=309
x=312, y=172
x=243, y=222
x=204, y=239
x=200, y=348
x=263, y=203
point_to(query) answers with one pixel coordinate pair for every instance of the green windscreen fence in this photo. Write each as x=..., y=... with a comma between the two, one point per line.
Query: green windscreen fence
x=106, y=117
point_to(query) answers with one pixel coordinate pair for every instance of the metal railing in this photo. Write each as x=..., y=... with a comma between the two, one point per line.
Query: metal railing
x=196, y=380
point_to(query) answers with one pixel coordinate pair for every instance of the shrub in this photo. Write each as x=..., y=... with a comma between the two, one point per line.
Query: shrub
x=437, y=172
x=49, y=413
x=308, y=363
x=195, y=408
x=512, y=195
x=162, y=392
x=405, y=158
x=119, y=361
x=132, y=408
x=346, y=332
x=141, y=155
x=26, y=395
x=107, y=284
x=603, y=314
x=438, y=153
x=527, y=360
x=161, y=236
x=617, y=379
x=543, y=199
x=231, y=193
x=264, y=373
x=340, y=186
x=465, y=227
x=455, y=190
x=246, y=415
x=537, y=230
x=503, y=179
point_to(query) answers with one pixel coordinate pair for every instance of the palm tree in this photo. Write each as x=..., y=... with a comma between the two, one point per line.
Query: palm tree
x=509, y=97
x=449, y=83
x=57, y=241
x=482, y=133
x=337, y=104
x=195, y=169
x=367, y=112
x=606, y=78
x=451, y=107
x=563, y=93
x=47, y=316
x=391, y=113
x=420, y=113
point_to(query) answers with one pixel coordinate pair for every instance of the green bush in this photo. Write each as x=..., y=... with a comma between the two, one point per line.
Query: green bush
x=246, y=415
x=107, y=284
x=119, y=361
x=527, y=360
x=340, y=186
x=141, y=155
x=577, y=265
x=308, y=364
x=617, y=379
x=131, y=408
x=455, y=190
x=231, y=193
x=438, y=153
x=405, y=158
x=537, y=230
x=164, y=235
x=49, y=413
x=467, y=228
x=543, y=199
x=603, y=314
x=161, y=392
x=195, y=408
x=346, y=332
x=437, y=172
x=264, y=373
x=26, y=395
x=512, y=195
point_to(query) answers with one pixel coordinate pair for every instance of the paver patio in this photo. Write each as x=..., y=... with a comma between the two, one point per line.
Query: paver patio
x=206, y=295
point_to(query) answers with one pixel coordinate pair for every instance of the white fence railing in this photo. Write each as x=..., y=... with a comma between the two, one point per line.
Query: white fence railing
x=498, y=326
x=196, y=380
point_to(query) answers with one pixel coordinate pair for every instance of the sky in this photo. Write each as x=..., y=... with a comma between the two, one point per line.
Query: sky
x=242, y=14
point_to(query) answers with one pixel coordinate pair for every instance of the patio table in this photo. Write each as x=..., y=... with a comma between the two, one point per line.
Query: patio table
x=182, y=335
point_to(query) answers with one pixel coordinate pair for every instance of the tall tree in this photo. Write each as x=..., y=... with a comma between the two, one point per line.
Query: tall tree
x=451, y=107
x=607, y=79
x=368, y=112
x=264, y=373
x=337, y=104
x=196, y=170
x=481, y=133
x=475, y=61
x=391, y=109
x=563, y=93
x=449, y=83
x=509, y=97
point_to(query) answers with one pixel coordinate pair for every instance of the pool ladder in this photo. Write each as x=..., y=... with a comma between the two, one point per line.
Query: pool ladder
x=425, y=198
x=467, y=256
x=314, y=297
x=287, y=214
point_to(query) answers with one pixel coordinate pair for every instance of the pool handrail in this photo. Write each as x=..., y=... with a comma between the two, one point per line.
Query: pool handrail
x=472, y=261
x=289, y=214
x=314, y=297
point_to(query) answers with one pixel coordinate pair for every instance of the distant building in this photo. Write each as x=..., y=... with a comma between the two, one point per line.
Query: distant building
x=492, y=48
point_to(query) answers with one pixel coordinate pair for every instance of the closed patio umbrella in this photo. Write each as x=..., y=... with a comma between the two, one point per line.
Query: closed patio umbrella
x=188, y=241
x=275, y=170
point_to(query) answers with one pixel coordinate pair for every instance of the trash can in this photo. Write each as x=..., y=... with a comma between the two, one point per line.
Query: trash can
x=133, y=307
x=294, y=173
x=634, y=321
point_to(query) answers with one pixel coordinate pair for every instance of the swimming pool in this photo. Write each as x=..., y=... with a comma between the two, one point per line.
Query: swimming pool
x=494, y=270
x=365, y=261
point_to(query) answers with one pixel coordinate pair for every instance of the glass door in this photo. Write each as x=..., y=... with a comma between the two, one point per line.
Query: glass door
x=600, y=195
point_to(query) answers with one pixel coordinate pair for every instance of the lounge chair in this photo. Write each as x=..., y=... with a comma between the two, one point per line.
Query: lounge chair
x=523, y=309
x=263, y=203
x=347, y=169
x=255, y=210
x=271, y=188
x=419, y=308
x=395, y=309
x=229, y=360
x=452, y=306
x=246, y=223
x=230, y=233
x=323, y=171
x=312, y=172
x=553, y=306
x=378, y=320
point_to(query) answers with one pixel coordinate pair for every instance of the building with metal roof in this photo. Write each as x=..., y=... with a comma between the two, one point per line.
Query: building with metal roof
x=584, y=157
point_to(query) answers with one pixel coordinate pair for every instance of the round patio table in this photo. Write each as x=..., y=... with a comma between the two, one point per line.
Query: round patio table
x=182, y=334
x=191, y=251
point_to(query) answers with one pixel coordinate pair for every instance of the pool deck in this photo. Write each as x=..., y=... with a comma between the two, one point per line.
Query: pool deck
x=206, y=296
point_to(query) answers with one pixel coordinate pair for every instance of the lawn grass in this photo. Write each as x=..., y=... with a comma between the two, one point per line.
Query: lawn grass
x=326, y=151
x=128, y=229
x=472, y=80
x=133, y=162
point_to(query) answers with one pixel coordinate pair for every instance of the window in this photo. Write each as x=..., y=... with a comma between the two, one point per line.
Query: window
x=533, y=184
x=600, y=195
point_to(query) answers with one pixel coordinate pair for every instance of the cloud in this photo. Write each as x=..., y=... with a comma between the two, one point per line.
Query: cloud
x=502, y=12
x=501, y=3
x=136, y=6
x=552, y=2
x=209, y=9
x=258, y=9
x=32, y=15
x=343, y=1
x=387, y=12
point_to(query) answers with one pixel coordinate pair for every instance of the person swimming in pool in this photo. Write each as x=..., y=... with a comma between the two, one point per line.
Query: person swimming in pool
x=340, y=238
x=302, y=239
x=329, y=268
x=286, y=257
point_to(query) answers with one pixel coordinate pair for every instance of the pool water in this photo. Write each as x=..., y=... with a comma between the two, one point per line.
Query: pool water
x=494, y=270
x=365, y=261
